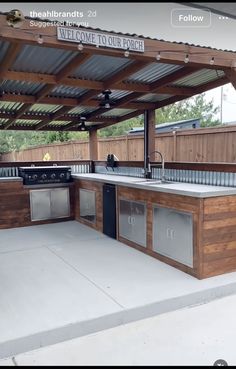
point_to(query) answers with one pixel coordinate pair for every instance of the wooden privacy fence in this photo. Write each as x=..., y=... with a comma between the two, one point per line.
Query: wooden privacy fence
x=198, y=145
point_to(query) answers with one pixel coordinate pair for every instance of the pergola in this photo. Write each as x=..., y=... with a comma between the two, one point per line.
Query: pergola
x=52, y=76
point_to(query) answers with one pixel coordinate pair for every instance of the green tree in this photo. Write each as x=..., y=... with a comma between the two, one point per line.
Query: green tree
x=195, y=107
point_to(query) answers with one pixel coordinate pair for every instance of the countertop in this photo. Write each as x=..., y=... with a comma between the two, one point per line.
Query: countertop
x=179, y=188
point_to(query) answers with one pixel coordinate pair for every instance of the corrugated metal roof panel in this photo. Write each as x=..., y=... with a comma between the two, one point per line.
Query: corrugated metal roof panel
x=153, y=97
x=6, y=106
x=3, y=121
x=26, y=122
x=59, y=123
x=78, y=110
x=117, y=112
x=67, y=91
x=22, y=87
x=44, y=108
x=39, y=59
x=199, y=78
x=3, y=49
x=153, y=72
x=100, y=67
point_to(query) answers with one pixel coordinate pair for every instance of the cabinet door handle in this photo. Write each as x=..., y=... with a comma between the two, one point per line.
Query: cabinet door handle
x=129, y=219
x=132, y=220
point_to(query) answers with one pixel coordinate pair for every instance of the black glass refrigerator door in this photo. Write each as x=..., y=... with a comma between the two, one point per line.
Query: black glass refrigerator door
x=109, y=210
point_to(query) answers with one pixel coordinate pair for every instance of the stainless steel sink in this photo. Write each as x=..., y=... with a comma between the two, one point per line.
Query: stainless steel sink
x=153, y=181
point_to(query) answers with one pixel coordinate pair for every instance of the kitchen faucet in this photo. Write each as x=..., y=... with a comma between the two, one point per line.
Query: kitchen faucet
x=162, y=164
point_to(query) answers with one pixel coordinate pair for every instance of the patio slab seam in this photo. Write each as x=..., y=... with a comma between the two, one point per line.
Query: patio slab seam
x=86, y=277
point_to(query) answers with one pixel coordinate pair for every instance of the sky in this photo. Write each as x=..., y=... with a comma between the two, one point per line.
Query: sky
x=155, y=20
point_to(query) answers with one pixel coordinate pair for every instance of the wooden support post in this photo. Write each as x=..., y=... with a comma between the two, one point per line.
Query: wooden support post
x=149, y=139
x=151, y=133
x=174, y=146
x=231, y=75
x=93, y=144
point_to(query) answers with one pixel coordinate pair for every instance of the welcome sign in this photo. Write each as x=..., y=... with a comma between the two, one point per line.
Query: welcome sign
x=100, y=39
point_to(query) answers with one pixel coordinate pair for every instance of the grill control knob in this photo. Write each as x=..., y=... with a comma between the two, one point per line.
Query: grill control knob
x=44, y=176
x=35, y=176
x=53, y=176
x=62, y=175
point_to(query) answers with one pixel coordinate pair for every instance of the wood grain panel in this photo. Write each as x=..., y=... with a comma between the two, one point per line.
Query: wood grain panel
x=219, y=205
x=98, y=188
x=219, y=236
x=185, y=203
x=182, y=203
x=219, y=266
x=15, y=206
x=162, y=258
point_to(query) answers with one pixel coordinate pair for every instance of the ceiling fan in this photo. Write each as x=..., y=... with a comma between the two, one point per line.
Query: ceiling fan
x=82, y=126
x=106, y=102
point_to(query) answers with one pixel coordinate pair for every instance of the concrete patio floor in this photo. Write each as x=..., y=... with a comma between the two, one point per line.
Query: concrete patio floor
x=65, y=280
x=195, y=336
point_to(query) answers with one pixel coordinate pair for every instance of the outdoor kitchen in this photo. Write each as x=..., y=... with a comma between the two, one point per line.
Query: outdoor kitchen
x=87, y=245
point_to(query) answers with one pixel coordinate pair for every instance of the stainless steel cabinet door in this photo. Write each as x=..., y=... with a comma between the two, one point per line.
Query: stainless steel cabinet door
x=40, y=204
x=87, y=201
x=60, y=203
x=138, y=221
x=125, y=226
x=173, y=234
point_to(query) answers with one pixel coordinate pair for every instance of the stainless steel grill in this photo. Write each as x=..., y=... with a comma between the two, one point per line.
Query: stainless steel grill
x=45, y=175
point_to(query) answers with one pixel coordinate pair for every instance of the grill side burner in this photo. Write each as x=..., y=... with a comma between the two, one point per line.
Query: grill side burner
x=45, y=175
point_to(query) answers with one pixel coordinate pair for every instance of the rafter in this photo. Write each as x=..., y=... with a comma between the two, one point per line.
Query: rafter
x=53, y=117
x=135, y=95
x=126, y=72
x=9, y=58
x=108, y=120
x=71, y=102
x=198, y=90
x=74, y=63
x=93, y=85
x=120, y=119
x=117, y=77
x=173, y=99
x=20, y=112
x=172, y=77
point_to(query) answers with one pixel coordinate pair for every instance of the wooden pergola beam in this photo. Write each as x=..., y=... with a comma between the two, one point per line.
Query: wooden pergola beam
x=117, y=77
x=9, y=58
x=135, y=95
x=172, y=77
x=107, y=120
x=231, y=76
x=173, y=99
x=198, y=90
x=21, y=111
x=47, y=117
x=53, y=117
x=93, y=85
x=78, y=60
x=74, y=63
x=126, y=72
x=122, y=102
x=71, y=102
